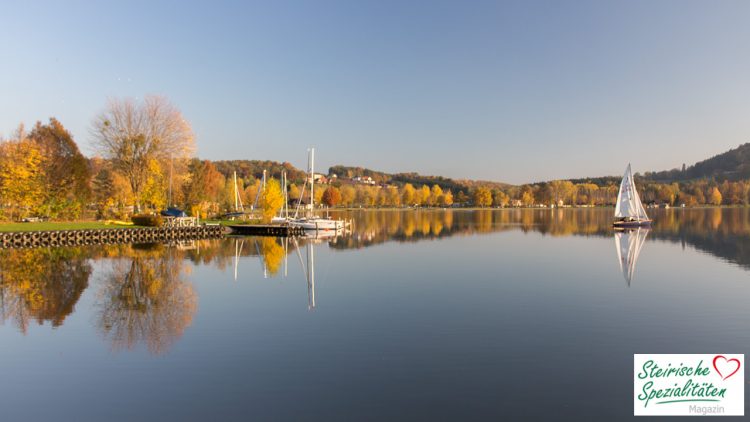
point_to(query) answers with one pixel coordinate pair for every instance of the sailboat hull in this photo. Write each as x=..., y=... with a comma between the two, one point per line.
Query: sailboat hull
x=631, y=224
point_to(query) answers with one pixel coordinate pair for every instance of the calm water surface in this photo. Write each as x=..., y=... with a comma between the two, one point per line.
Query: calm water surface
x=420, y=315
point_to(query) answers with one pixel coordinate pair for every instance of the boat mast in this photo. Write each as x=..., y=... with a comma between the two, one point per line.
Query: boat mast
x=312, y=180
x=171, y=164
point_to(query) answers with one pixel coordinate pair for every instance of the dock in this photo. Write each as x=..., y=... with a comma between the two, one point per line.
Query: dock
x=56, y=238
x=267, y=230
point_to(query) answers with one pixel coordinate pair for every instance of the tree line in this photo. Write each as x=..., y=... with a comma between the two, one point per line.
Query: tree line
x=145, y=162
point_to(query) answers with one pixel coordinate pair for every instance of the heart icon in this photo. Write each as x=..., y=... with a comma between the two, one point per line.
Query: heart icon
x=726, y=365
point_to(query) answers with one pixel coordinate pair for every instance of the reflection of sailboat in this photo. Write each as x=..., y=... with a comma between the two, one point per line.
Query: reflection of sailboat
x=629, y=243
x=309, y=271
x=629, y=211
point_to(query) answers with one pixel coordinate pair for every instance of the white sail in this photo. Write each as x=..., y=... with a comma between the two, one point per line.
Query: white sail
x=629, y=204
x=629, y=244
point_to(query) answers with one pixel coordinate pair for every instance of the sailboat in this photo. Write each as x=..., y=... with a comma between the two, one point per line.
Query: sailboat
x=629, y=243
x=629, y=211
x=311, y=221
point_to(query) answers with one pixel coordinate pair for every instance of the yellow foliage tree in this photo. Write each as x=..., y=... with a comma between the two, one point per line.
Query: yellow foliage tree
x=271, y=200
x=715, y=197
x=482, y=197
x=21, y=174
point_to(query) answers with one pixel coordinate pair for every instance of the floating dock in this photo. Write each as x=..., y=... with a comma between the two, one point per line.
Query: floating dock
x=267, y=230
x=54, y=238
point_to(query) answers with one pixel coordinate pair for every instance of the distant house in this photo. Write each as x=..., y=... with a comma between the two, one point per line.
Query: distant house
x=364, y=180
x=320, y=178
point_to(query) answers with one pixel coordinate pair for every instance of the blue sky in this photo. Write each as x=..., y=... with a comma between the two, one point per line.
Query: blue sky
x=507, y=91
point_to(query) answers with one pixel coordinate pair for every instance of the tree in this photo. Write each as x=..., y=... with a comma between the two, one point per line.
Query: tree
x=448, y=199
x=501, y=199
x=715, y=197
x=348, y=194
x=482, y=197
x=331, y=196
x=423, y=195
x=133, y=134
x=66, y=170
x=271, y=200
x=21, y=173
x=436, y=195
x=409, y=194
x=560, y=191
x=461, y=197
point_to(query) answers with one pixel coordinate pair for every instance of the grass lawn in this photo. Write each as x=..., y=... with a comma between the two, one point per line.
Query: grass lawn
x=55, y=225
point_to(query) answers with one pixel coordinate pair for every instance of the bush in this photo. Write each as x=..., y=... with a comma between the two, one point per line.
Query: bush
x=147, y=220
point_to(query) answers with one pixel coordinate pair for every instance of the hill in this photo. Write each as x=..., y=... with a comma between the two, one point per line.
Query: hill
x=732, y=165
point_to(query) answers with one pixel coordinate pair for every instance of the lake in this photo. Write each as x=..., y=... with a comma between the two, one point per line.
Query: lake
x=417, y=315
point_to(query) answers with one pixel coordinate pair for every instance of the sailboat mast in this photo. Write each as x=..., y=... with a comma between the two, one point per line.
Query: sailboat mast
x=236, y=195
x=169, y=200
x=312, y=179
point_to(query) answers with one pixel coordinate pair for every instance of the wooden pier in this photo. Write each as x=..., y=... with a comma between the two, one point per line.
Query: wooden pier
x=267, y=230
x=55, y=238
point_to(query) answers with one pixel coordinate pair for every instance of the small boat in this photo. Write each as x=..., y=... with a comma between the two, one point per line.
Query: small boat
x=173, y=212
x=629, y=211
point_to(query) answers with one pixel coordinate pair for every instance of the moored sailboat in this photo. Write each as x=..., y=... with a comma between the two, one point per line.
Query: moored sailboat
x=629, y=211
x=311, y=221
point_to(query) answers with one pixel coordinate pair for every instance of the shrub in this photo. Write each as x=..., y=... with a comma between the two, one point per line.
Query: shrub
x=147, y=220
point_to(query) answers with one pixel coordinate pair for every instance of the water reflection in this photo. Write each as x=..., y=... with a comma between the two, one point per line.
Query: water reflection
x=629, y=243
x=144, y=294
x=41, y=284
x=145, y=301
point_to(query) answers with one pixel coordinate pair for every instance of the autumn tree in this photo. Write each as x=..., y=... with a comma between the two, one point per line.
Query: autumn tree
x=331, y=196
x=271, y=200
x=408, y=195
x=482, y=197
x=66, y=170
x=203, y=186
x=500, y=199
x=715, y=197
x=447, y=199
x=21, y=173
x=436, y=195
x=133, y=134
x=348, y=194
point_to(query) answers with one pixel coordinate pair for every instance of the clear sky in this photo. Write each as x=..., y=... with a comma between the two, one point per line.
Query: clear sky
x=508, y=91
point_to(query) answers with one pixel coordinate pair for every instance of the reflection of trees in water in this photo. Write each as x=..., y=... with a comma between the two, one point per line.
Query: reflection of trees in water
x=724, y=232
x=144, y=300
x=41, y=284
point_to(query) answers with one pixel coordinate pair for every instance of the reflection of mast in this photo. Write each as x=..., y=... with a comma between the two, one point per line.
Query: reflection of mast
x=262, y=260
x=309, y=272
x=237, y=251
x=628, y=244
